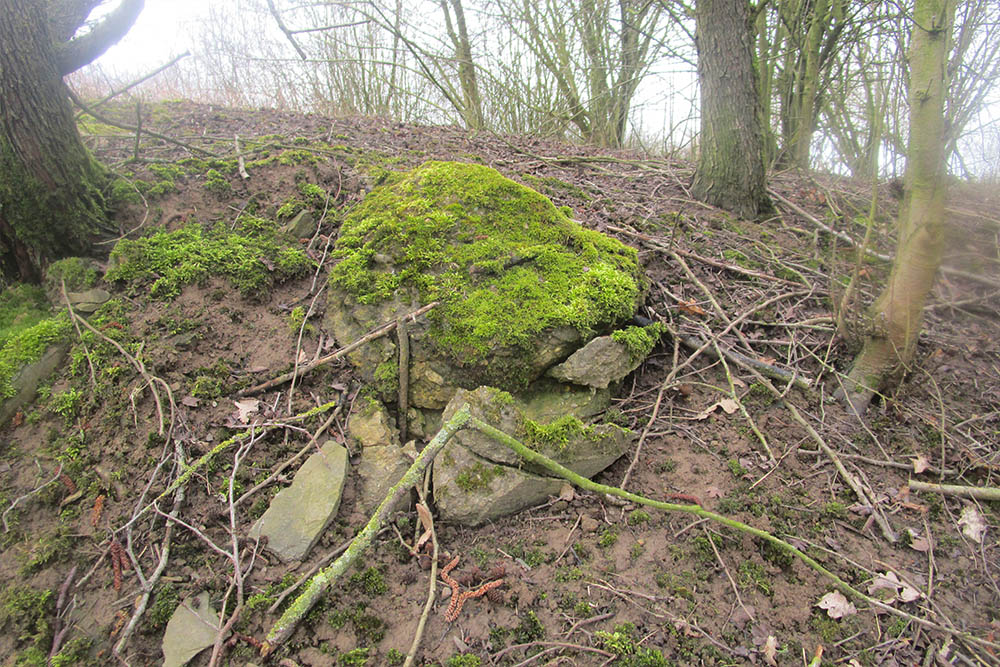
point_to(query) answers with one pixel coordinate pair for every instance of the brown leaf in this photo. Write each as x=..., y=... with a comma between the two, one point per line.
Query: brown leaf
x=771, y=650
x=972, y=523
x=836, y=605
x=692, y=308
x=425, y=516
x=920, y=463
x=246, y=408
x=713, y=492
x=190, y=401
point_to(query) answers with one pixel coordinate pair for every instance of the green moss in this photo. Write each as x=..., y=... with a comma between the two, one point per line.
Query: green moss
x=637, y=517
x=20, y=345
x=464, y=660
x=77, y=273
x=24, y=614
x=608, y=538
x=165, y=601
x=639, y=341
x=478, y=477
x=387, y=379
x=167, y=261
x=290, y=208
x=504, y=262
x=530, y=629
x=753, y=575
x=370, y=580
x=218, y=184
x=556, y=435
x=314, y=195
x=208, y=387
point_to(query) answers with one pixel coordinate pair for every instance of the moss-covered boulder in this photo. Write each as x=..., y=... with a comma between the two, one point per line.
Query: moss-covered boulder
x=520, y=284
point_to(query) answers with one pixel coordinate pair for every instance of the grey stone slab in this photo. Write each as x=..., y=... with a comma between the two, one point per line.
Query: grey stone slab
x=299, y=514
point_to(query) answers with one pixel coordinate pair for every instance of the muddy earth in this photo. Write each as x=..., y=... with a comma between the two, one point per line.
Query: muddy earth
x=89, y=470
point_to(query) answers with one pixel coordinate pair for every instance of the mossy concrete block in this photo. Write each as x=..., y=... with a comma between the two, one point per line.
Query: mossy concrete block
x=520, y=283
x=192, y=628
x=25, y=381
x=299, y=514
x=597, y=364
x=471, y=490
x=302, y=226
x=547, y=400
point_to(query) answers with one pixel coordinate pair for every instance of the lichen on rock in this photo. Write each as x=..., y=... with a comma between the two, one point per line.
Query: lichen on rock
x=521, y=284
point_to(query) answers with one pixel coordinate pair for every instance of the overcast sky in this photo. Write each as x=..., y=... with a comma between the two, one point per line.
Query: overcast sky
x=164, y=29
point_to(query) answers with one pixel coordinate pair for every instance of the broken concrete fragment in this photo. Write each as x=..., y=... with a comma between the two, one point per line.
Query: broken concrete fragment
x=89, y=301
x=597, y=364
x=299, y=514
x=192, y=628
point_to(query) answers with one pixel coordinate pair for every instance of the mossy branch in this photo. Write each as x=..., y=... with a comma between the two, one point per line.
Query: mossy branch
x=532, y=456
x=285, y=626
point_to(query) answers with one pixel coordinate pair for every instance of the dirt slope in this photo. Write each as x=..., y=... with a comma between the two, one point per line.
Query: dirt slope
x=587, y=581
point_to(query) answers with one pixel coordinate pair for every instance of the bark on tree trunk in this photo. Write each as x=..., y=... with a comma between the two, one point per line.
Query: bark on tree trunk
x=895, y=317
x=50, y=187
x=730, y=171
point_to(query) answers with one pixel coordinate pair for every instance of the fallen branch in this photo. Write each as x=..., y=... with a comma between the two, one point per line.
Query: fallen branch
x=285, y=626
x=531, y=456
x=977, y=492
x=378, y=332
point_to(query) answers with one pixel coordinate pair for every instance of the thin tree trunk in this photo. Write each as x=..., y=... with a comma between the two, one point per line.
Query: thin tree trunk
x=895, y=317
x=730, y=171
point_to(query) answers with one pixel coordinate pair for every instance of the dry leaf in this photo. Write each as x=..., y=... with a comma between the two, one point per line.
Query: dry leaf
x=566, y=492
x=713, y=492
x=729, y=405
x=917, y=542
x=692, y=308
x=920, y=463
x=909, y=594
x=836, y=605
x=771, y=650
x=425, y=516
x=884, y=582
x=247, y=407
x=972, y=523
x=190, y=401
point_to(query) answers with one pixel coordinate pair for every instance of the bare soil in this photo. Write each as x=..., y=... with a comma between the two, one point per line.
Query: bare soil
x=578, y=568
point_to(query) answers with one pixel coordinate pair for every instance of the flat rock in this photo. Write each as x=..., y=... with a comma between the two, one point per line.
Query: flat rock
x=192, y=628
x=299, y=514
x=26, y=380
x=477, y=479
x=88, y=301
x=379, y=470
x=371, y=426
x=597, y=364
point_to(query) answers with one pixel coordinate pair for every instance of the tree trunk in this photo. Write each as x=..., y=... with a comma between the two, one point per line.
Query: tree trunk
x=730, y=171
x=895, y=317
x=50, y=199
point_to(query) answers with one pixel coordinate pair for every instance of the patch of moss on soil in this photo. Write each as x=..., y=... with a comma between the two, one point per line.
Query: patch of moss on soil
x=252, y=258
x=505, y=263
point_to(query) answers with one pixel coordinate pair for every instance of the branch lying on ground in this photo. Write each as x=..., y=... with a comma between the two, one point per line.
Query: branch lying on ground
x=285, y=626
x=978, y=492
x=378, y=332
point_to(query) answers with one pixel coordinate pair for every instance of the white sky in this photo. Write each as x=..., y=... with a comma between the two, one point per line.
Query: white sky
x=164, y=29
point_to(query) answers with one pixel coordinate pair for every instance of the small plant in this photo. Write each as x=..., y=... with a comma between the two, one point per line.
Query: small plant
x=607, y=539
x=530, y=629
x=67, y=404
x=395, y=657
x=736, y=468
x=638, y=517
x=358, y=656
x=463, y=660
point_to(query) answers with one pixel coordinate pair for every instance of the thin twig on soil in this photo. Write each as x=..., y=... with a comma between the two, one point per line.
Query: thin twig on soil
x=432, y=586
x=977, y=492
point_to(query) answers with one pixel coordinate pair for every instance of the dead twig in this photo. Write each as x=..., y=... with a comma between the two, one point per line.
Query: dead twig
x=977, y=492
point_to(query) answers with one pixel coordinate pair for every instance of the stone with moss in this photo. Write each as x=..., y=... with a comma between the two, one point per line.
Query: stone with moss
x=477, y=479
x=608, y=359
x=521, y=284
x=32, y=345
